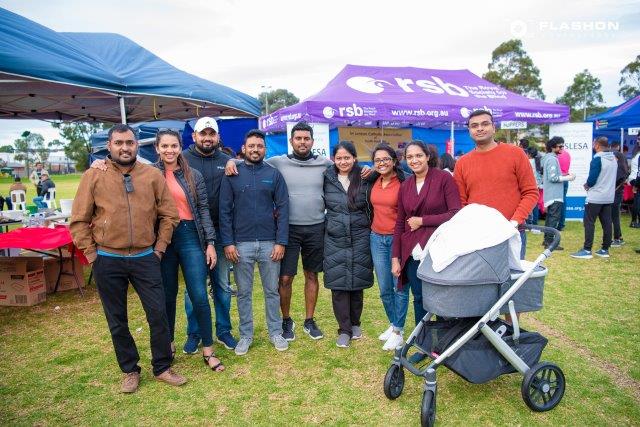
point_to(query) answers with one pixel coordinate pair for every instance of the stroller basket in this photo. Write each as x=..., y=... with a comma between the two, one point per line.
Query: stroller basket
x=478, y=361
x=472, y=283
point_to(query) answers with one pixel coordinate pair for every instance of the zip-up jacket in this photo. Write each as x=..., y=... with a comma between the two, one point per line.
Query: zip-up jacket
x=104, y=216
x=601, y=182
x=254, y=205
x=212, y=170
x=199, y=205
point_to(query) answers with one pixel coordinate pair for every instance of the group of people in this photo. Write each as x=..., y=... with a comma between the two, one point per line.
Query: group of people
x=40, y=179
x=609, y=171
x=208, y=214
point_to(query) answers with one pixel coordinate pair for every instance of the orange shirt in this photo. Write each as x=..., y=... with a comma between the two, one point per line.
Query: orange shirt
x=501, y=178
x=385, y=205
x=184, y=210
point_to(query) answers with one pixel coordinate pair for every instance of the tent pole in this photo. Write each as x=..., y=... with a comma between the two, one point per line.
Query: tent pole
x=621, y=140
x=123, y=114
x=453, y=139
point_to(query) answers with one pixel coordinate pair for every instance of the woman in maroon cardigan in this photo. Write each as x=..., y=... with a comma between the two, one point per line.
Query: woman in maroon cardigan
x=426, y=199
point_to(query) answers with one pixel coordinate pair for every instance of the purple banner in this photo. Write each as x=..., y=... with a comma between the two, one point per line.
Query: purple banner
x=366, y=96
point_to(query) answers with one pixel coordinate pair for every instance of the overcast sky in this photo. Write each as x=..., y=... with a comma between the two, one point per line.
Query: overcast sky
x=301, y=45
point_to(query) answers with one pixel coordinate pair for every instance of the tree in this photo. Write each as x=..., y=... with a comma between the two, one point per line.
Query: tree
x=7, y=149
x=583, y=96
x=512, y=68
x=630, y=80
x=276, y=99
x=26, y=146
x=78, y=136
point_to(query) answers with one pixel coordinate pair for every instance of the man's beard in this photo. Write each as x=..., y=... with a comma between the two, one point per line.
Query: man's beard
x=253, y=162
x=127, y=163
x=206, y=150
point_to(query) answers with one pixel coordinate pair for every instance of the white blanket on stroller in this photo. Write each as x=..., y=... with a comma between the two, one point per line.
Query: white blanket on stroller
x=473, y=228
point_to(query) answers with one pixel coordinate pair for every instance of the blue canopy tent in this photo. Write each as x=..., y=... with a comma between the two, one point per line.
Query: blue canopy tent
x=232, y=131
x=617, y=119
x=100, y=77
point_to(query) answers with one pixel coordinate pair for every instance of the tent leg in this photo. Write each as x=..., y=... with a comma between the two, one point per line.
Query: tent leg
x=123, y=114
x=453, y=139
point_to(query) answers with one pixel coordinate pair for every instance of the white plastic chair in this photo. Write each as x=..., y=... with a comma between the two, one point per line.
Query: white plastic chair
x=49, y=199
x=19, y=200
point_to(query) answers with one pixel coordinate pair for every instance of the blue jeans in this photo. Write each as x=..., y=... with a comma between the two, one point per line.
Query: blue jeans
x=186, y=252
x=392, y=299
x=564, y=207
x=413, y=282
x=250, y=254
x=221, y=296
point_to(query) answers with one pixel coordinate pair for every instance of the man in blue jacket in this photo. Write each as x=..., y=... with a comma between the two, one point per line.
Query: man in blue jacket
x=600, y=187
x=206, y=157
x=254, y=229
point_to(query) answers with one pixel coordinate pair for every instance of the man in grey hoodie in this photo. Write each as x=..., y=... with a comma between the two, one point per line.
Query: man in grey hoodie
x=600, y=187
x=553, y=186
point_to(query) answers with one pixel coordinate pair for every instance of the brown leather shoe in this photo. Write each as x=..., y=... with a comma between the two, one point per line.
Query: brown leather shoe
x=171, y=378
x=130, y=382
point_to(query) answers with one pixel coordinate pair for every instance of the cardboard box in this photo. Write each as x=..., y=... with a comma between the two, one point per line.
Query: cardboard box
x=22, y=281
x=67, y=281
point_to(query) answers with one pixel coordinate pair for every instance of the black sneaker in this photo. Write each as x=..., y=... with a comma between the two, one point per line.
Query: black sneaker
x=312, y=329
x=288, y=325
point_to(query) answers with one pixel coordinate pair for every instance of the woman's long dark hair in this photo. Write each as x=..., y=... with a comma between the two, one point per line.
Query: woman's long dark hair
x=354, y=174
x=182, y=161
x=383, y=146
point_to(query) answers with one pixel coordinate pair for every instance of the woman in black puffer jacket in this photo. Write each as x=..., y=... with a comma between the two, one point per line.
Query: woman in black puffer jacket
x=348, y=268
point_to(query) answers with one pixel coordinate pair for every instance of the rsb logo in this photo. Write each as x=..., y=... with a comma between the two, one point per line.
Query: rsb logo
x=434, y=85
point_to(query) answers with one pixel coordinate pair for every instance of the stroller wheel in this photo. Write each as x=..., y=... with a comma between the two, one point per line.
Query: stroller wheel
x=428, y=409
x=394, y=382
x=543, y=386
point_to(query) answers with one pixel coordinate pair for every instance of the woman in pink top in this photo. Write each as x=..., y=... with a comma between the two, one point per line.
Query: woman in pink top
x=192, y=242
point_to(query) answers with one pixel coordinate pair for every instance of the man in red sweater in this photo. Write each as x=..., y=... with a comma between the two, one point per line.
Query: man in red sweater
x=496, y=175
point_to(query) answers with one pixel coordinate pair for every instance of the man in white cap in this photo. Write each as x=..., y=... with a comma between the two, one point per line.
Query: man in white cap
x=206, y=157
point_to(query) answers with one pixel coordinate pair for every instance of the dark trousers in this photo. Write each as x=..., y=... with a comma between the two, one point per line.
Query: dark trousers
x=615, y=215
x=347, y=307
x=635, y=208
x=564, y=206
x=591, y=212
x=554, y=216
x=113, y=275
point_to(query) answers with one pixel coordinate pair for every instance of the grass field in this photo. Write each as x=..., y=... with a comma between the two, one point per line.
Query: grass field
x=58, y=365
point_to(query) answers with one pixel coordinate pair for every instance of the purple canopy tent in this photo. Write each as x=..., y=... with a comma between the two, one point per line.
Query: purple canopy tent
x=402, y=96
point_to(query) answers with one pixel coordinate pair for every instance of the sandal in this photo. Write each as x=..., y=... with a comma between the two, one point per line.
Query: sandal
x=215, y=368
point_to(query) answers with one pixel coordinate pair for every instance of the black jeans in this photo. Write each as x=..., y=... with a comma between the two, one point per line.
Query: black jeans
x=554, y=216
x=591, y=212
x=635, y=208
x=347, y=307
x=615, y=215
x=113, y=275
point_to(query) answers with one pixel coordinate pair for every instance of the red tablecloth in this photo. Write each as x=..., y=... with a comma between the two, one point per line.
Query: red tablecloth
x=40, y=238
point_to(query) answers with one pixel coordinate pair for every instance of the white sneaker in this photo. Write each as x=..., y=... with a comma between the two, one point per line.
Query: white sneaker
x=386, y=334
x=394, y=341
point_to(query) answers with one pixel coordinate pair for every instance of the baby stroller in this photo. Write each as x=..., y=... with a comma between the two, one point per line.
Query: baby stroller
x=467, y=335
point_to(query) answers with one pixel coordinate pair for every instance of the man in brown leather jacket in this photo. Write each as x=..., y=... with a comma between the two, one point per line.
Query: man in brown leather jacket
x=123, y=219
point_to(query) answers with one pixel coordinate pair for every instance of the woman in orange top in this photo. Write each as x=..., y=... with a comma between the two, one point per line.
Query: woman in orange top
x=192, y=243
x=383, y=200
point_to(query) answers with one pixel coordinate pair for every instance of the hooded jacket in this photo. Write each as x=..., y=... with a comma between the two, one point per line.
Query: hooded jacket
x=212, y=170
x=601, y=182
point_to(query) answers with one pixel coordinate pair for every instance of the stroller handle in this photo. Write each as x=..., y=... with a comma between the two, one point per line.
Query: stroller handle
x=556, y=234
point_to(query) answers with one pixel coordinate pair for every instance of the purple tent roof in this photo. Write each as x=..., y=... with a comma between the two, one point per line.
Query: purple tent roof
x=398, y=96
